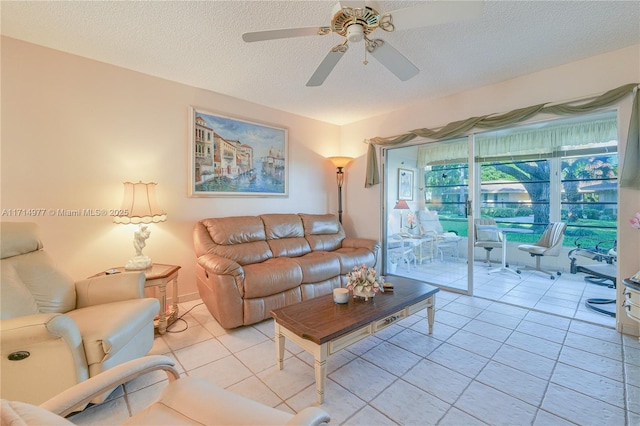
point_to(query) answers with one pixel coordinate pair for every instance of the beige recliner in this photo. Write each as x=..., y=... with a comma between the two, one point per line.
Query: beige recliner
x=55, y=333
x=184, y=401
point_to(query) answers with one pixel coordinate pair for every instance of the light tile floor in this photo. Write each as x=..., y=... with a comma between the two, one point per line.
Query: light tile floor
x=487, y=362
x=564, y=296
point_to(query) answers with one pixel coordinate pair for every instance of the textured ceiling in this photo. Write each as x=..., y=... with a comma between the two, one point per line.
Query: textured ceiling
x=199, y=43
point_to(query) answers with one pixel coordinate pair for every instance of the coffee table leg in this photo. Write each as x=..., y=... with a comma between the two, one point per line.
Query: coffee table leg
x=431, y=312
x=279, y=338
x=320, y=355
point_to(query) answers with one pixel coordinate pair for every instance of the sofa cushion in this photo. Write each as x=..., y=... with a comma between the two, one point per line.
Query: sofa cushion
x=271, y=277
x=241, y=239
x=318, y=266
x=354, y=257
x=322, y=231
x=285, y=235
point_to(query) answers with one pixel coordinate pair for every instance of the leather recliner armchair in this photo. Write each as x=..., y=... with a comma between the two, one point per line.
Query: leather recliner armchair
x=55, y=333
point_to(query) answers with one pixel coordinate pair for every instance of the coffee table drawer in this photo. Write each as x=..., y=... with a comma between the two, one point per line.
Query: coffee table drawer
x=359, y=334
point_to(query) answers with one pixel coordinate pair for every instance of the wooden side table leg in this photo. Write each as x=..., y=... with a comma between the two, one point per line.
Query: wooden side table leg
x=174, y=298
x=431, y=312
x=279, y=338
x=162, y=318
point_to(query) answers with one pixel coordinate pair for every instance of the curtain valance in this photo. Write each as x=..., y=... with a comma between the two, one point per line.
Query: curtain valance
x=630, y=174
x=547, y=140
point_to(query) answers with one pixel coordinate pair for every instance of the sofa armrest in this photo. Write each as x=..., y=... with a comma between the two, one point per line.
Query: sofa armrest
x=42, y=338
x=109, y=288
x=369, y=244
x=79, y=395
x=220, y=265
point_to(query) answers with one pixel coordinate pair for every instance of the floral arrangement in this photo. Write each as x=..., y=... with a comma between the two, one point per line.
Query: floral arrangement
x=362, y=280
x=635, y=221
x=411, y=220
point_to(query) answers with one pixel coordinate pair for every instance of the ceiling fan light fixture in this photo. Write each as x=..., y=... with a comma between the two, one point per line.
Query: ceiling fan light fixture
x=355, y=33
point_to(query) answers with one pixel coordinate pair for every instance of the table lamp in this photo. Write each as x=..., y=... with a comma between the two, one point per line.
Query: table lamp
x=140, y=206
x=401, y=205
x=340, y=163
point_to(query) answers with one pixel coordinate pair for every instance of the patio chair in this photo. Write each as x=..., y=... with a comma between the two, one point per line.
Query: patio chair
x=431, y=229
x=400, y=249
x=488, y=237
x=549, y=244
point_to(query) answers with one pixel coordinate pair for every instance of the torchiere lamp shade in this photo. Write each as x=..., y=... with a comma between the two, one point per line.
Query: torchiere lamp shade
x=340, y=162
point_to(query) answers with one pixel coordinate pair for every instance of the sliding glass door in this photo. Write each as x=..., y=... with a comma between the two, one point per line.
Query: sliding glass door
x=427, y=227
x=518, y=179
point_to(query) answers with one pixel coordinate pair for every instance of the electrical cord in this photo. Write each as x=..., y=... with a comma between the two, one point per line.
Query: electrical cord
x=186, y=325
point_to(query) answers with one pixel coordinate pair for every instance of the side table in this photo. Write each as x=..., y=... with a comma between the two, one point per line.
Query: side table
x=159, y=275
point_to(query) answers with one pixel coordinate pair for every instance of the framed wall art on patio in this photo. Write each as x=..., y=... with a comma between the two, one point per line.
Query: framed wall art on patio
x=234, y=157
x=405, y=184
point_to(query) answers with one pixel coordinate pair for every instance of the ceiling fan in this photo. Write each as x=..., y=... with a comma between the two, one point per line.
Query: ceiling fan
x=356, y=21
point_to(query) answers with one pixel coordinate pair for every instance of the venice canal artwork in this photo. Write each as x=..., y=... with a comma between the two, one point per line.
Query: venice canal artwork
x=237, y=157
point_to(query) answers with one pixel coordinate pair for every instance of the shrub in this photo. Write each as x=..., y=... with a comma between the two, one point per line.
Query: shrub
x=504, y=212
x=591, y=213
x=524, y=211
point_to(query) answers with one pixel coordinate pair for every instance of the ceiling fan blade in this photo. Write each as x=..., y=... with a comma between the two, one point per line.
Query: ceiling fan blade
x=435, y=13
x=395, y=62
x=327, y=65
x=284, y=33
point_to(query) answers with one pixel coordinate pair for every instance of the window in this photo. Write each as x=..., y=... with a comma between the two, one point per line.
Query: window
x=589, y=197
x=446, y=189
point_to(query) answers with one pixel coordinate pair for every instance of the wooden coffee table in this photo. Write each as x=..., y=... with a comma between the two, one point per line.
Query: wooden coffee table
x=322, y=327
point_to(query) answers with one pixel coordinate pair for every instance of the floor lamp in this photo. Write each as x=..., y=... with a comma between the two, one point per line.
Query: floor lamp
x=340, y=163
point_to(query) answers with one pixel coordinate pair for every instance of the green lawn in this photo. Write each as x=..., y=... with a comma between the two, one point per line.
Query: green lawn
x=588, y=236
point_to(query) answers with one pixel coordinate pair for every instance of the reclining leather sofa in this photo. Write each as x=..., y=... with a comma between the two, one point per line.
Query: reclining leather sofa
x=56, y=333
x=249, y=265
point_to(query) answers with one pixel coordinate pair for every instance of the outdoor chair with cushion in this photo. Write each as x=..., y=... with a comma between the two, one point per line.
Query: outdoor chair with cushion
x=487, y=236
x=431, y=228
x=549, y=244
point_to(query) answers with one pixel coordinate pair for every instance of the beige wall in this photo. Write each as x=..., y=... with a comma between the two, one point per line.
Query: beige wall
x=74, y=129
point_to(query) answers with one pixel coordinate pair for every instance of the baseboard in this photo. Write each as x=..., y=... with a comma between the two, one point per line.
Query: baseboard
x=188, y=297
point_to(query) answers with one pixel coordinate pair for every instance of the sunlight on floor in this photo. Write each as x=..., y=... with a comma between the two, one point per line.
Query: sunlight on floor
x=565, y=296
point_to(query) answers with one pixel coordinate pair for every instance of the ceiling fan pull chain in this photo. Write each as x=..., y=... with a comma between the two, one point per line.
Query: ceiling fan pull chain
x=365, y=62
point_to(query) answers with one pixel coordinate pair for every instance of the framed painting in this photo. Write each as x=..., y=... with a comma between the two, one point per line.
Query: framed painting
x=405, y=184
x=234, y=157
